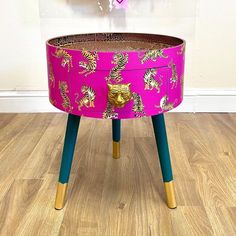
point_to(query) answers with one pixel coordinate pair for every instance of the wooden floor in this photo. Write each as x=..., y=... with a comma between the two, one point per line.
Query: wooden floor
x=122, y=197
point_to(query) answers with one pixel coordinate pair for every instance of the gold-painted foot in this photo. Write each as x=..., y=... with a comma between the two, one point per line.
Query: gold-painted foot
x=116, y=150
x=60, y=196
x=170, y=194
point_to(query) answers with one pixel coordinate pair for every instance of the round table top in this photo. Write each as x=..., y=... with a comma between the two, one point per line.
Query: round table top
x=115, y=75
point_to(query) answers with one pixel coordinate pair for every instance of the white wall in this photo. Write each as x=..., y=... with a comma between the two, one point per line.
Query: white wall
x=208, y=27
x=22, y=64
x=215, y=45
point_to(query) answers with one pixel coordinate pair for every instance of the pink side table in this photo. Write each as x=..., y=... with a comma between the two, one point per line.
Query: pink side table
x=115, y=76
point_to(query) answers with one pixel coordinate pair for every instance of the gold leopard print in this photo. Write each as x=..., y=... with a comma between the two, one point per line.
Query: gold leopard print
x=66, y=101
x=153, y=55
x=165, y=105
x=65, y=56
x=120, y=60
x=88, y=99
x=174, y=77
x=51, y=75
x=150, y=82
x=138, y=106
x=110, y=113
x=91, y=64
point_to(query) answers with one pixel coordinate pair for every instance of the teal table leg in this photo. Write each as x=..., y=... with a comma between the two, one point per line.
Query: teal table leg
x=164, y=156
x=116, y=124
x=67, y=157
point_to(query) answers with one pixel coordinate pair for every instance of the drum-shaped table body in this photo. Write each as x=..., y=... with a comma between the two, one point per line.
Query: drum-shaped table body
x=115, y=76
x=148, y=69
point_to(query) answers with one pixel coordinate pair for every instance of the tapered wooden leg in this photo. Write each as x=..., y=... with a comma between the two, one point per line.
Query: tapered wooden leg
x=164, y=157
x=67, y=157
x=116, y=124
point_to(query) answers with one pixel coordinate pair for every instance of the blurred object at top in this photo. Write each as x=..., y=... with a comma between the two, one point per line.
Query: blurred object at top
x=134, y=8
x=121, y=4
x=170, y=17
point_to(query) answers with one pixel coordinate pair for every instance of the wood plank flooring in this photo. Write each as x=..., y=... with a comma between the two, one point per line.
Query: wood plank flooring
x=122, y=197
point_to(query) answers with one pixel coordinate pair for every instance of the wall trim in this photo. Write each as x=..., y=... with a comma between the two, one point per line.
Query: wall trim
x=195, y=100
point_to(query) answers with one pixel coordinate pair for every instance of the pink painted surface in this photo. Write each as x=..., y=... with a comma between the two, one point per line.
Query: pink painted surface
x=170, y=74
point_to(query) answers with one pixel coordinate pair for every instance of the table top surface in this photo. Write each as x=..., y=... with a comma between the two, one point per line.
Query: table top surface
x=116, y=46
x=114, y=42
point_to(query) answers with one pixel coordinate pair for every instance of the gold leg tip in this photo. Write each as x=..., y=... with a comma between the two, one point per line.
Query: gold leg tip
x=60, y=196
x=58, y=208
x=170, y=194
x=171, y=205
x=116, y=150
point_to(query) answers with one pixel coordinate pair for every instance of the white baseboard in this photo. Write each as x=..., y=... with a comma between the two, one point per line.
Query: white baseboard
x=25, y=101
x=195, y=100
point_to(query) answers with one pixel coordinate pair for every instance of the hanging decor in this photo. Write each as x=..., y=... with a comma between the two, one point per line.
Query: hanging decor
x=120, y=3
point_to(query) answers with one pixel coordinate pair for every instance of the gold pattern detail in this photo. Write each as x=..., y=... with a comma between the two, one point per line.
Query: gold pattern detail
x=60, y=196
x=90, y=66
x=66, y=101
x=116, y=150
x=120, y=60
x=51, y=75
x=113, y=36
x=153, y=55
x=110, y=113
x=150, y=82
x=65, y=56
x=174, y=76
x=170, y=194
x=119, y=94
x=88, y=99
x=138, y=106
x=164, y=105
